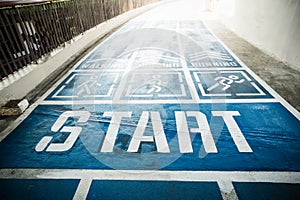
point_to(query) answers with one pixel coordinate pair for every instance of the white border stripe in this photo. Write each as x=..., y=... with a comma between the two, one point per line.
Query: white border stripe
x=83, y=189
x=154, y=175
x=170, y=101
x=227, y=190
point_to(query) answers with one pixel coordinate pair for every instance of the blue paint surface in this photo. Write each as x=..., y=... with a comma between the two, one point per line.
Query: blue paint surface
x=153, y=190
x=37, y=189
x=103, y=86
x=267, y=191
x=194, y=35
x=273, y=140
x=73, y=86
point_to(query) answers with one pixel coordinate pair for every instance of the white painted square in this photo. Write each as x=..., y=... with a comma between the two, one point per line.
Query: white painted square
x=226, y=84
x=155, y=85
x=87, y=85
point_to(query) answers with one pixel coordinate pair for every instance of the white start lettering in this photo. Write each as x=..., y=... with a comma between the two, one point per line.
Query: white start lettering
x=158, y=137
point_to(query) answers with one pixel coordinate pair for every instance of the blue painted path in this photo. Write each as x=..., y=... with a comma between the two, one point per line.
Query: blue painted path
x=167, y=103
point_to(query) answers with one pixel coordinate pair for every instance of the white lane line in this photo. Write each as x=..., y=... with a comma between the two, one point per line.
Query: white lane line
x=154, y=175
x=169, y=101
x=227, y=190
x=83, y=189
x=197, y=69
x=56, y=94
x=186, y=70
x=106, y=59
x=123, y=81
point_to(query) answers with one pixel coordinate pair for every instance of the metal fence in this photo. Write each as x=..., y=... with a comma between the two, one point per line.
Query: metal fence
x=27, y=32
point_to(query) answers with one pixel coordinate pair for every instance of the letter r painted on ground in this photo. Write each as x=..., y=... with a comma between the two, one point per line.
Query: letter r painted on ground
x=234, y=130
x=184, y=138
x=183, y=131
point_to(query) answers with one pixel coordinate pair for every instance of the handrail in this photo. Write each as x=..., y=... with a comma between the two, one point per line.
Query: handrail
x=12, y=3
x=29, y=31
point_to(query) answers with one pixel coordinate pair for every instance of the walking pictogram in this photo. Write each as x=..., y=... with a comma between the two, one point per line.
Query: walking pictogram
x=87, y=85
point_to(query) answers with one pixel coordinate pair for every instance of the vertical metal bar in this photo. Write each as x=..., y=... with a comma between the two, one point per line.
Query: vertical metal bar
x=73, y=24
x=3, y=72
x=44, y=33
x=35, y=30
x=10, y=24
x=37, y=22
x=73, y=21
x=54, y=25
x=64, y=22
x=21, y=39
x=58, y=24
x=10, y=33
x=9, y=53
x=93, y=10
x=70, y=23
x=79, y=15
x=99, y=9
x=31, y=29
x=50, y=26
x=26, y=33
x=100, y=4
x=96, y=12
x=110, y=9
x=120, y=9
x=86, y=23
x=87, y=13
x=104, y=10
x=6, y=62
x=47, y=28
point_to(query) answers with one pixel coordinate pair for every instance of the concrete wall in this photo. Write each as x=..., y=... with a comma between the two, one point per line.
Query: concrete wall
x=271, y=25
